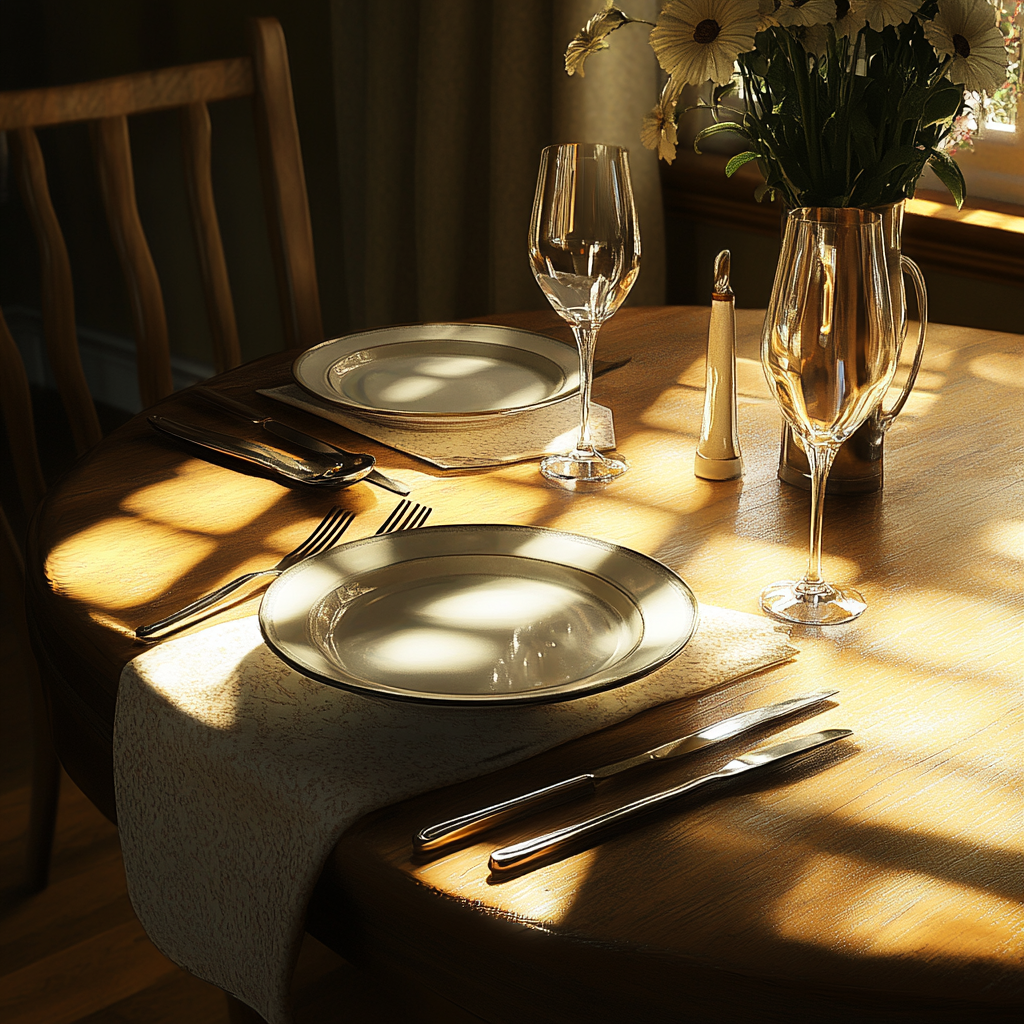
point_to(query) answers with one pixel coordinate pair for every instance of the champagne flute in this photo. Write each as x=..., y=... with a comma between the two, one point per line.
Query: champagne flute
x=585, y=253
x=829, y=351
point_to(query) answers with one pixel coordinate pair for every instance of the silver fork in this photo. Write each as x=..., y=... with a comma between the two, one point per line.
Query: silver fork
x=324, y=537
x=406, y=515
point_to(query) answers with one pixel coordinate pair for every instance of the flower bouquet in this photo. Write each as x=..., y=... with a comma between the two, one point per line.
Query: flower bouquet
x=841, y=102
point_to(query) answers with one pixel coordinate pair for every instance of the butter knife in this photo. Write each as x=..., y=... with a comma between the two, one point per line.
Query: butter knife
x=299, y=437
x=520, y=855
x=444, y=833
x=318, y=471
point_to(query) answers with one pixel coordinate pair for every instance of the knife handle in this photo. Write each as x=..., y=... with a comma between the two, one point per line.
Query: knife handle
x=444, y=833
x=514, y=858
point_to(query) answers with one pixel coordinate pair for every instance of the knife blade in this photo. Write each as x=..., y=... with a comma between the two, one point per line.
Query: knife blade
x=322, y=472
x=444, y=833
x=296, y=436
x=520, y=855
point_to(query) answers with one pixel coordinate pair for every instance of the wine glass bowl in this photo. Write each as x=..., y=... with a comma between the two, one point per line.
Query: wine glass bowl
x=584, y=250
x=829, y=351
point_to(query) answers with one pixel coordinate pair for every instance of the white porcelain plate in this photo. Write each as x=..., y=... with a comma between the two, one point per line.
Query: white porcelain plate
x=439, y=375
x=478, y=615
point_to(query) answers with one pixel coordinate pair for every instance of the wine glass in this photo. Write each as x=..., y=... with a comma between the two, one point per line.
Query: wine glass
x=585, y=254
x=829, y=351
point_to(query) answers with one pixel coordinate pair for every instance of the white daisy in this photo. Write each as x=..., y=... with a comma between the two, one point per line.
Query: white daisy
x=592, y=37
x=966, y=30
x=807, y=12
x=658, y=129
x=848, y=20
x=879, y=13
x=699, y=40
x=768, y=14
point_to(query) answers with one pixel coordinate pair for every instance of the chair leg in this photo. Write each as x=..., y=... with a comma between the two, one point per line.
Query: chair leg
x=45, y=793
x=239, y=1013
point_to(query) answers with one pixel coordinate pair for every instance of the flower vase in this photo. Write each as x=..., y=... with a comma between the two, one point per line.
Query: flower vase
x=858, y=466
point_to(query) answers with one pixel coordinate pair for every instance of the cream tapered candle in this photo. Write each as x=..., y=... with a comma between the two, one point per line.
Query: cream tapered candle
x=718, y=452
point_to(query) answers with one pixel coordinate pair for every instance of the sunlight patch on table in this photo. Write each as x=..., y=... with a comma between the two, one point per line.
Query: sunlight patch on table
x=210, y=507
x=547, y=893
x=1006, y=368
x=882, y=913
x=969, y=623
x=91, y=565
x=1005, y=538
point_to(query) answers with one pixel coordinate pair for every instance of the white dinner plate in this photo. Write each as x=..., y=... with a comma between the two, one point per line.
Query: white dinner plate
x=478, y=615
x=439, y=375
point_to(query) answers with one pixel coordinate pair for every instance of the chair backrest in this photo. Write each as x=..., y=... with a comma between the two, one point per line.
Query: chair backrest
x=106, y=106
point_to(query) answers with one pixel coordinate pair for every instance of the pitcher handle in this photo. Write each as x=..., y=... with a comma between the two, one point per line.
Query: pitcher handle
x=910, y=267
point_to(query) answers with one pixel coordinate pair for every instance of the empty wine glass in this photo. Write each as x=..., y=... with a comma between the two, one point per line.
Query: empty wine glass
x=585, y=254
x=829, y=351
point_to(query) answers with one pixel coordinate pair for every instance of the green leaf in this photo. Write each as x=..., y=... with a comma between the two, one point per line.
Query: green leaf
x=943, y=104
x=717, y=129
x=947, y=171
x=738, y=161
x=763, y=190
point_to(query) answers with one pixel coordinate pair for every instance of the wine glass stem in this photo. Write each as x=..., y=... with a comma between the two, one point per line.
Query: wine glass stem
x=820, y=461
x=586, y=343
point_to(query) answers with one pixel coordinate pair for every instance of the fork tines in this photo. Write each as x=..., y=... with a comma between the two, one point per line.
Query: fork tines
x=406, y=515
x=331, y=527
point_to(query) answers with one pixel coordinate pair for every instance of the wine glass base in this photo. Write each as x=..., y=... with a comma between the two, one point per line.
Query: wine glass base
x=583, y=467
x=827, y=606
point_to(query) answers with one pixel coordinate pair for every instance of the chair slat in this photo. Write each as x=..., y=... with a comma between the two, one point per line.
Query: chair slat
x=16, y=402
x=195, y=122
x=117, y=183
x=128, y=94
x=57, y=293
x=284, y=186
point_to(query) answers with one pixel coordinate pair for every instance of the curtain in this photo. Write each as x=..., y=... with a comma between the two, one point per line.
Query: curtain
x=442, y=108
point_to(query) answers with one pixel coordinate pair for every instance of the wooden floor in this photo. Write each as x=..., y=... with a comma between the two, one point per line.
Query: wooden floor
x=76, y=954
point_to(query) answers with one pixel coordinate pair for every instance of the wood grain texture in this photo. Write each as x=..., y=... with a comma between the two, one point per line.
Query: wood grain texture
x=58, y=298
x=117, y=183
x=881, y=882
x=128, y=94
x=284, y=186
x=195, y=126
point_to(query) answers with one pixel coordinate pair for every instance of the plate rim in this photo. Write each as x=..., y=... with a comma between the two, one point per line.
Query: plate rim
x=389, y=416
x=565, y=692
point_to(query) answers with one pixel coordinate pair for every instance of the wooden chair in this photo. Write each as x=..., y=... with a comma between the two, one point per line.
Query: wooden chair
x=106, y=106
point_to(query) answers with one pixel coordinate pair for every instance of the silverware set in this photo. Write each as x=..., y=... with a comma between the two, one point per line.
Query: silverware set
x=326, y=465
x=521, y=856
x=406, y=515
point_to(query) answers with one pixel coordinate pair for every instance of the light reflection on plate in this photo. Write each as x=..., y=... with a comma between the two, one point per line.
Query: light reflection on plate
x=439, y=375
x=478, y=614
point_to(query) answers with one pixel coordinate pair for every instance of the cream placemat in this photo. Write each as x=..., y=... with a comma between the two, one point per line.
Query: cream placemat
x=235, y=776
x=525, y=435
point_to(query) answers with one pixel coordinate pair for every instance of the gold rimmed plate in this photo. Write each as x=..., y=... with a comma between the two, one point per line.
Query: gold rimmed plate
x=470, y=615
x=439, y=375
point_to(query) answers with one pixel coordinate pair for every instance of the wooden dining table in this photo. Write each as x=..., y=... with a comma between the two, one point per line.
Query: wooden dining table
x=882, y=882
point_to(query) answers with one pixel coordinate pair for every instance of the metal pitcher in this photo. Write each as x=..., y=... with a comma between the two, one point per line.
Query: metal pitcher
x=858, y=465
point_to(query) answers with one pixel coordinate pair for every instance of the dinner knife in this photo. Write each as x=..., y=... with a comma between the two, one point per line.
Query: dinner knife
x=318, y=471
x=520, y=855
x=299, y=437
x=444, y=833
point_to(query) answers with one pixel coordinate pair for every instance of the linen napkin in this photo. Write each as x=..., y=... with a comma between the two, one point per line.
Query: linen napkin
x=494, y=442
x=235, y=776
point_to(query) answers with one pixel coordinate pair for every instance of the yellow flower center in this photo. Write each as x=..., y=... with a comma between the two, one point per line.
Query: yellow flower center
x=706, y=32
x=961, y=46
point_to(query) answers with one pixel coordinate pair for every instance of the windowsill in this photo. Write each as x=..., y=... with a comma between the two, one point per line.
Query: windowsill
x=981, y=240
